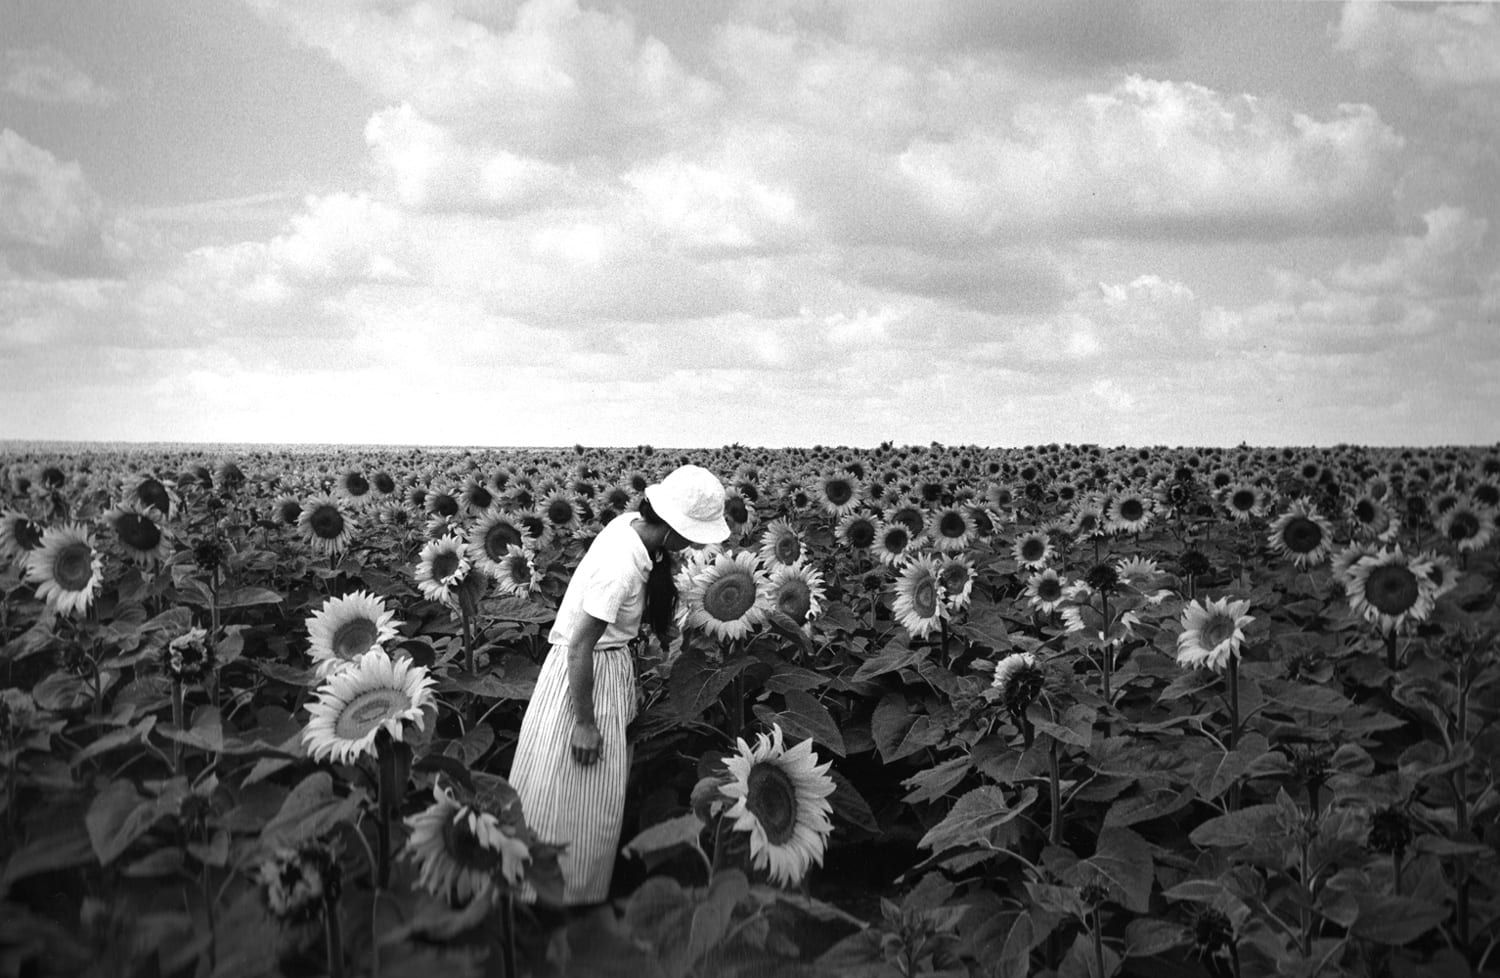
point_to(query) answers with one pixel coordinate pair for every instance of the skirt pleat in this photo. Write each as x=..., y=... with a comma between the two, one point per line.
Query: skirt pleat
x=563, y=801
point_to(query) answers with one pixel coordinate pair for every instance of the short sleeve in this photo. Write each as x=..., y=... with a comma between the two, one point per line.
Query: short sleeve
x=605, y=593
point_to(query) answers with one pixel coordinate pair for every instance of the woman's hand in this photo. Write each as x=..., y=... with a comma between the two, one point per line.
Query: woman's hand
x=587, y=742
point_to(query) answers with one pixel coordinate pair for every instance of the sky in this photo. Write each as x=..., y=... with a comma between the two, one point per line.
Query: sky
x=764, y=222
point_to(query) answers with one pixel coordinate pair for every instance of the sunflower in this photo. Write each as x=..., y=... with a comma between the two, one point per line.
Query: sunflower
x=324, y=525
x=1302, y=534
x=441, y=568
x=1018, y=682
x=729, y=597
x=460, y=850
x=956, y=575
x=1343, y=561
x=66, y=568
x=297, y=882
x=1369, y=515
x=140, y=532
x=1390, y=587
x=1212, y=634
x=797, y=592
x=1045, y=591
x=894, y=544
x=152, y=492
x=781, y=544
x=837, y=494
x=561, y=509
x=353, y=488
x=346, y=628
x=780, y=797
x=515, y=573
x=1086, y=519
x=475, y=497
x=441, y=504
x=1466, y=525
x=536, y=527
x=1244, y=501
x=1141, y=575
x=909, y=516
x=19, y=535
x=1129, y=512
x=858, y=531
x=1032, y=549
x=739, y=513
x=355, y=704
x=952, y=529
x=286, y=510
x=919, y=606
x=491, y=539
x=382, y=485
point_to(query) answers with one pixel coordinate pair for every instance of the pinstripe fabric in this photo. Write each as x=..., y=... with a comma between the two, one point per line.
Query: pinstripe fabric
x=563, y=801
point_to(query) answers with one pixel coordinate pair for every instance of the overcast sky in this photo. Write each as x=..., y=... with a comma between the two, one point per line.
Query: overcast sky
x=773, y=222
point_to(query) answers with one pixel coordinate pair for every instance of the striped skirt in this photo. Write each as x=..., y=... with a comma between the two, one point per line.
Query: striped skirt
x=562, y=800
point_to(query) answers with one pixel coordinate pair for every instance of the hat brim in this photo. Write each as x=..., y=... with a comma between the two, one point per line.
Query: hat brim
x=692, y=530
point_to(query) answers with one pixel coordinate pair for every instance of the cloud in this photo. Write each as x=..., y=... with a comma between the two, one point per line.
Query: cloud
x=44, y=74
x=545, y=78
x=51, y=221
x=1439, y=45
x=1164, y=158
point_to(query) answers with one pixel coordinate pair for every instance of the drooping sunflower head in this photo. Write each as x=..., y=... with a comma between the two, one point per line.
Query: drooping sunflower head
x=1019, y=680
x=463, y=852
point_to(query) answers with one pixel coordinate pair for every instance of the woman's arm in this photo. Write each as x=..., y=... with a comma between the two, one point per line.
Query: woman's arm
x=586, y=739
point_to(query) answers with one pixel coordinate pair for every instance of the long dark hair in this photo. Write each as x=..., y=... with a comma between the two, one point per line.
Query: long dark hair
x=661, y=590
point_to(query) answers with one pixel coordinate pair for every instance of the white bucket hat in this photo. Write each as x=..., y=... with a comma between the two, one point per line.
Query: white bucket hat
x=691, y=500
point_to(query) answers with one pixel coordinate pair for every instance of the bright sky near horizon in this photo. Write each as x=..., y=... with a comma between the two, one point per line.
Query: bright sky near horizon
x=772, y=222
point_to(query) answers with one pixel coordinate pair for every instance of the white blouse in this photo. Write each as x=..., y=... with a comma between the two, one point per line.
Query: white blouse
x=609, y=584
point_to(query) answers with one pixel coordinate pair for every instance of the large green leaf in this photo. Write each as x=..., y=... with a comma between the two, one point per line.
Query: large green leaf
x=806, y=717
x=118, y=816
x=978, y=817
x=1122, y=861
x=696, y=683
x=1238, y=828
x=898, y=731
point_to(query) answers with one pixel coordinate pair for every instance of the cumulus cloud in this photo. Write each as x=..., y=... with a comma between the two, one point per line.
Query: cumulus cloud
x=51, y=221
x=1439, y=45
x=1160, y=157
x=45, y=74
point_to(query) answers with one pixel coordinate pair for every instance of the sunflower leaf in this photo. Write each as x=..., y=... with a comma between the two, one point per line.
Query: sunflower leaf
x=684, y=830
x=978, y=817
x=696, y=683
x=805, y=716
x=246, y=597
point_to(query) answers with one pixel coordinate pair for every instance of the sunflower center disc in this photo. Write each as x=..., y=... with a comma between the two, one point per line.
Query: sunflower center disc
x=355, y=484
x=369, y=710
x=736, y=511
x=1217, y=629
x=153, y=493
x=327, y=522
x=729, y=597
x=354, y=638
x=445, y=505
x=290, y=510
x=138, y=532
x=1392, y=589
x=1131, y=509
x=955, y=577
x=499, y=538
x=515, y=566
x=1033, y=549
x=861, y=533
x=74, y=566
x=28, y=534
x=787, y=549
x=480, y=497
x=951, y=525
x=1243, y=501
x=444, y=565
x=896, y=541
x=1302, y=535
x=1464, y=525
x=924, y=598
x=772, y=799
x=1049, y=589
x=560, y=512
x=794, y=600
x=839, y=492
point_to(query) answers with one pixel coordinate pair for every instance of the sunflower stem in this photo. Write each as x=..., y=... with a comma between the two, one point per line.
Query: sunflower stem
x=1233, y=677
x=1098, y=942
x=1054, y=783
x=1396, y=870
x=1390, y=650
x=508, y=924
x=177, y=711
x=335, y=938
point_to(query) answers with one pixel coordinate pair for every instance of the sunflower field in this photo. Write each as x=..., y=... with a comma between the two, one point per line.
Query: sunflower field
x=931, y=710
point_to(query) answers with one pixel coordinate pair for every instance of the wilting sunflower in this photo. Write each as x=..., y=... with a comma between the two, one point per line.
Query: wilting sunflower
x=956, y=575
x=354, y=704
x=729, y=597
x=66, y=568
x=919, y=606
x=141, y=532
x=353, y=488
x=1244, y=501
x=1032, y=549
x=952, y=530
x=1129, y=512
x=441, y=568
x=837, y=494
x=515, y=573
x=1045, y=591
x=324, y=525
x=894, y=544
x=781, y=544
x=1018, y=682
x=797, y=592
x=1302, y=534
x=1467, y=526
x=858, y=531
x=1389, y=588
x=460, y=850
x=780, y=797
x=19, y=535
x=490, y=541
x=346, y=628
x=1212, y=634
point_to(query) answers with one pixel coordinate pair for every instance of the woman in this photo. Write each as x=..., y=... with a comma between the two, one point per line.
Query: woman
x=571, y=760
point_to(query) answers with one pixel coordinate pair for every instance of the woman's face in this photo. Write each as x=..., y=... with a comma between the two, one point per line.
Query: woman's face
x=676, y=542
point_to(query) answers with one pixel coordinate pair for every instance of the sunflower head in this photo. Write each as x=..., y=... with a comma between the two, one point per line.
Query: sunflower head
x=297, y=882
x=779, y=797
x=188, y=657
x=1103, y=578
x=1390, y=830
x=1019, y=680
